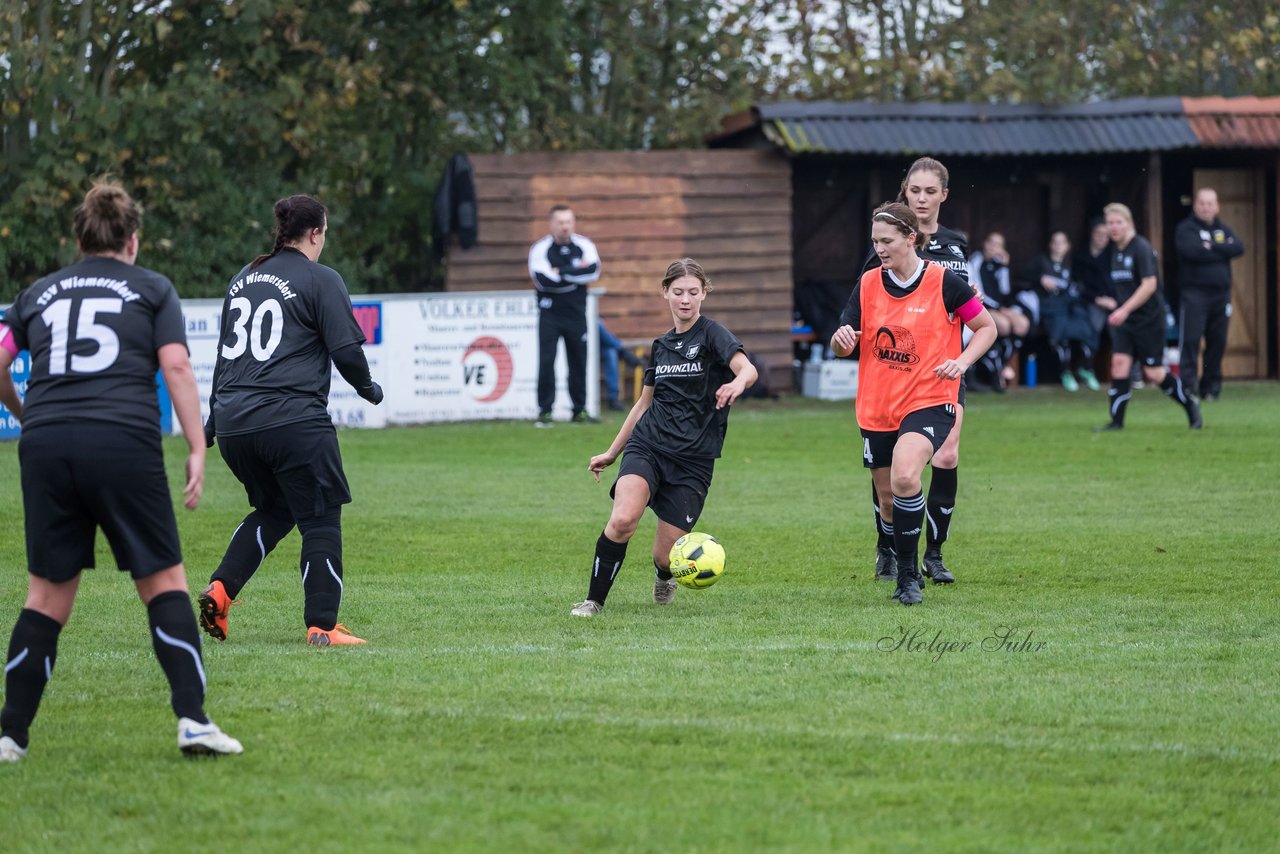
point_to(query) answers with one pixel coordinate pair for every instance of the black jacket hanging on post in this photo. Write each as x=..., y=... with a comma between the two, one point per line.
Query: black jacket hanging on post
x=454, y=208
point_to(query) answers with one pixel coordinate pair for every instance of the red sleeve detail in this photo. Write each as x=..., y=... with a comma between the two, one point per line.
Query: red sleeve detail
x=969, y=310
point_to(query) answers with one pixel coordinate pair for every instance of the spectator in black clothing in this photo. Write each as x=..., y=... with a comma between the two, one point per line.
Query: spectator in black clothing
x=1064, y=315
x=1205, y=248
x=1013, y=310
x=561, y=265
x=1092, y=266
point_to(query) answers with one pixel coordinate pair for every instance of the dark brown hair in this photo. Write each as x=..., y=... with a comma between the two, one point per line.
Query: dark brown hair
x=686, y=267
x=295, y=216
x=555, y=209
x=924, y=164
x=106, y=219
x=900, y=217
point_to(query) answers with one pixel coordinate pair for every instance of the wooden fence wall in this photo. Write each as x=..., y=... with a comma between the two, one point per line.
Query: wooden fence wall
x=728, y=210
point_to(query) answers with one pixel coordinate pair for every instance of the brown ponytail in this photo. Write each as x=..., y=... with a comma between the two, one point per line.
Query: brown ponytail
x=106, y=219
x=295, y=216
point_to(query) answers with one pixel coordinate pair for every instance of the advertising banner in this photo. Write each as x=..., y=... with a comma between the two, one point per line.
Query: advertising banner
x=438, y=357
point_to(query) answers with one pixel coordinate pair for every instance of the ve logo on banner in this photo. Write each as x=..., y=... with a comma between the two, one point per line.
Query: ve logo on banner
x=487, y=369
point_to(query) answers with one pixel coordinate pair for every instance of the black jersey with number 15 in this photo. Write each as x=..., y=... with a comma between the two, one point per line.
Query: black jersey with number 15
x=93, y=330
x=686, y=369
x=280, y=322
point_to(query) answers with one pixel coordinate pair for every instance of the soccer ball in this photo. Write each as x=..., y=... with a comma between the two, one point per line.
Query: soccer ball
x=697, y=560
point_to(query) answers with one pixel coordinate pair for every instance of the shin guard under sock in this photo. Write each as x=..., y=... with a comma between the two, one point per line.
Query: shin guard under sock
x=604, y=569
x=942, y=501
x=177, y=644
x=33, y=649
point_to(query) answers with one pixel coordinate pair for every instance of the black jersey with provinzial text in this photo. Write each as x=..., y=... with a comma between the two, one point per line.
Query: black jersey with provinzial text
x=685, y=370
x=280, y=322
x=93, y=330
x=1129, y=266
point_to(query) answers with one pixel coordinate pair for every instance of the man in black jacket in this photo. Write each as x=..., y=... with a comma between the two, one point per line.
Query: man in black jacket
x=1205, y=248
x=562, y=265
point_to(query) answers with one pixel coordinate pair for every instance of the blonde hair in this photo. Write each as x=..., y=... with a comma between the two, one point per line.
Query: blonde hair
x=106, y=219
x=686, y=267
x=1119, y=209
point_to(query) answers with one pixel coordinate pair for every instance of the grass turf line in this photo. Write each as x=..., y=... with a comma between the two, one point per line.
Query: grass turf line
x=762, y=713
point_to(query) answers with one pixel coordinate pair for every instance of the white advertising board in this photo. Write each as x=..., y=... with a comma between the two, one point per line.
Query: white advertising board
x=438, y=357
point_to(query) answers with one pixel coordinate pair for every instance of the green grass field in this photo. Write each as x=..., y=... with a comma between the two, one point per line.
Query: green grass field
x=765, y=713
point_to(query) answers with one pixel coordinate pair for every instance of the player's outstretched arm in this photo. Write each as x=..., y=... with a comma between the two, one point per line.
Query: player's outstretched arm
x=744, y=377
x=600, y=462
x=181, y=382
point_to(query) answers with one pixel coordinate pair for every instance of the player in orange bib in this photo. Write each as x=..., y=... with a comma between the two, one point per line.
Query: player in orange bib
x=907, y=315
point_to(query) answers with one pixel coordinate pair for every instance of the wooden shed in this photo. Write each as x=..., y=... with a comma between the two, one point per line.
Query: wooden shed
x=1026, y=170
x=729, y=210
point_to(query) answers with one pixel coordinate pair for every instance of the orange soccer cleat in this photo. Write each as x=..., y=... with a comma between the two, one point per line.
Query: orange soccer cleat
x=337, y=636
x=214, y=604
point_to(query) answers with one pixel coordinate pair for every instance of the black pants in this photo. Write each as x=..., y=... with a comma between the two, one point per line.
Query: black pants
x=1204, y=315
x=570, y=323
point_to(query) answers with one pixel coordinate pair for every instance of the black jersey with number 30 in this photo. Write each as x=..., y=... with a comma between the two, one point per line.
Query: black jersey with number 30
x=280, y=322
x=685, y=370
x=93, y=330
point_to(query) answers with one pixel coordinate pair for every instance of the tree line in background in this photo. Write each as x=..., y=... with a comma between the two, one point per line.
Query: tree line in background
x=209, y=111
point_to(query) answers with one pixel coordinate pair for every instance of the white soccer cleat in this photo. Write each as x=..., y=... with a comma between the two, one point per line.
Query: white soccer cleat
x=664, y=590
x=205, y=739
x=10, y=751
x=589, y=608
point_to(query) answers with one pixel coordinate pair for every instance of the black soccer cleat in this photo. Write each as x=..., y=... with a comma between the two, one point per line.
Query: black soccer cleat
x=935, y=569
x=1193, y=414
x=886, y=565
x=1107, y=428
x=908, y=592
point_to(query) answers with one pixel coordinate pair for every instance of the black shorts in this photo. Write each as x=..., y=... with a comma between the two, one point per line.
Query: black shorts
x=934, y=423
x=677, y=488
x=78, y=478
x=294, y=469
x=1143, y=341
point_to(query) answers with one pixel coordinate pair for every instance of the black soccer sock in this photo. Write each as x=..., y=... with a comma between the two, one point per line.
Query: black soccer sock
x=885, y=535
x=33, y=650
x=942, y=500
x=664, y=572
x=321, y=565
x=608, y=560
x=908, y=517
x=1118, y=399
x=177, y=644
x=1173, y=388
x=884, y=530
x=257, y=535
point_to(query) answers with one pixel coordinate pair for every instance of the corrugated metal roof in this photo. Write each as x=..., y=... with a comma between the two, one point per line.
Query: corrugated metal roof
x=1131, y=124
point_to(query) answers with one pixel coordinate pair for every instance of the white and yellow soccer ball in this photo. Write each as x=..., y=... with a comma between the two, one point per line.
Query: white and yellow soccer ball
x=697, y=560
